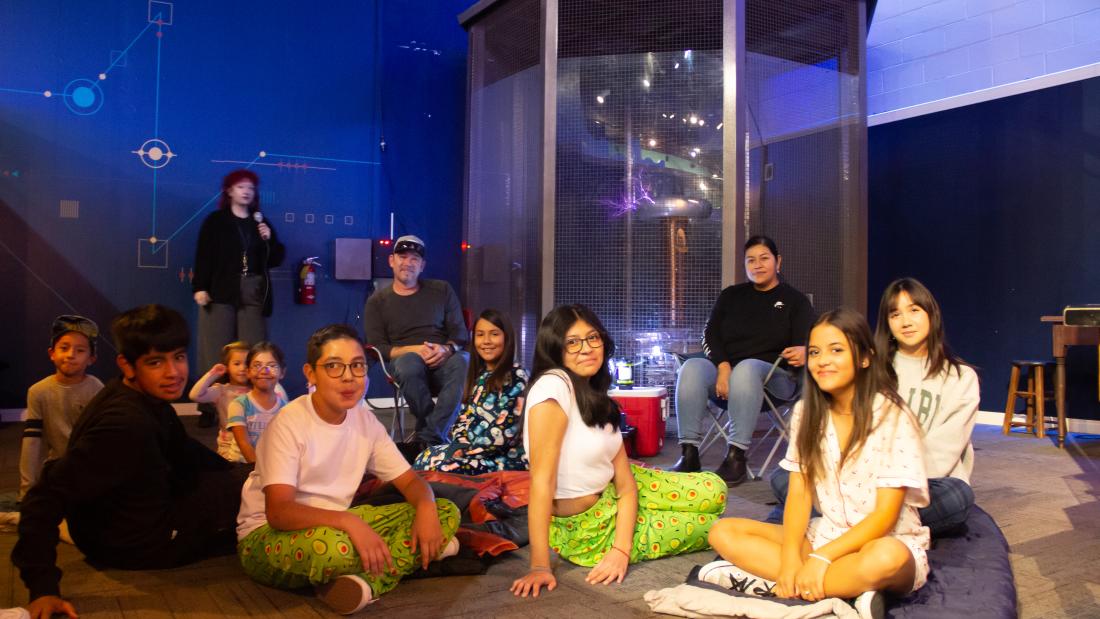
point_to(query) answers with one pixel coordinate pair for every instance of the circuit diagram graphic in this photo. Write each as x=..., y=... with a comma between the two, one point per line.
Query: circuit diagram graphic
x=86, y=95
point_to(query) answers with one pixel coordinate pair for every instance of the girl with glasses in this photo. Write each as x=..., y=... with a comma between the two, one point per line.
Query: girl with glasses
x=487, y=436
x=250, y=413
x=587, y=501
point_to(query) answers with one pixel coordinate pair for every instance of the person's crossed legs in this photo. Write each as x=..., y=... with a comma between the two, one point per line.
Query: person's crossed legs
x=433, y=418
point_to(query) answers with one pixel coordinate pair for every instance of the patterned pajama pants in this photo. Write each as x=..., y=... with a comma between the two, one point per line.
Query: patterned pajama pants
x=309, y=557
x=675, y=511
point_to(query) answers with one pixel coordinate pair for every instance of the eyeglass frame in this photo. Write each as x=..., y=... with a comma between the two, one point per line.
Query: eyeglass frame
x=582, y=341
x=345, y=367
x=274, y=366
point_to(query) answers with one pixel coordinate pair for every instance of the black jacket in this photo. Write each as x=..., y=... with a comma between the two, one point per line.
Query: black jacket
x=746, y=323
x=218, y=259
x=128, y=459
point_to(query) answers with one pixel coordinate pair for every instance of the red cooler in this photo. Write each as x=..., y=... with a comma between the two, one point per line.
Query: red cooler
x=645, y=408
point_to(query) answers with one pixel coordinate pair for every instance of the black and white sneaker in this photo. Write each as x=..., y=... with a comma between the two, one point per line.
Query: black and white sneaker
x=870, y=605
x=729, y=576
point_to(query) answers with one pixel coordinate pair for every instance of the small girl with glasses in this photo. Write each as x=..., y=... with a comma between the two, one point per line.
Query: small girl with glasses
x=249, y=414
x=225, y=382
x=587, y=501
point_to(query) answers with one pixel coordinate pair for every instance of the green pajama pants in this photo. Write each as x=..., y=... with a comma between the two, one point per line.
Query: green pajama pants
x=294, y=559
x=675, y=511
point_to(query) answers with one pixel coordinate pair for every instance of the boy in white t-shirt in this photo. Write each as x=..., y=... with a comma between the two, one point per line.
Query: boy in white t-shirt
x=295, y=527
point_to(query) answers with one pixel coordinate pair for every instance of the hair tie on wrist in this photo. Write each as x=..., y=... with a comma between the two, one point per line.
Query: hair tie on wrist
x=614, y=547
x=820, y=558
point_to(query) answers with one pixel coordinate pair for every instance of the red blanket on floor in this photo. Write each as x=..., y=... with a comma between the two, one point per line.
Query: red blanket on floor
x=510, y=487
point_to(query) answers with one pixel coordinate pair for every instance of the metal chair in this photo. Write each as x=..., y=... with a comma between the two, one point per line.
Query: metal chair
x=778, y=410
x=397, y=426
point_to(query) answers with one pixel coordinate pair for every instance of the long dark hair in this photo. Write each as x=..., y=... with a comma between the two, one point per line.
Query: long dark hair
x=940, y=356
x=872, y=380
x=596, y=407
x=503, y=370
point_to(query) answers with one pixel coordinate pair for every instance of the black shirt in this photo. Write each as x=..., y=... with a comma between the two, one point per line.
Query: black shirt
x=250, y=239
x=749, y=324
x=222, y=239
x=128, y=458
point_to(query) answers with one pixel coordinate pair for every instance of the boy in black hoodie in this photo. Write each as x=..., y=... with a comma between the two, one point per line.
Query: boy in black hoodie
x=137, y=491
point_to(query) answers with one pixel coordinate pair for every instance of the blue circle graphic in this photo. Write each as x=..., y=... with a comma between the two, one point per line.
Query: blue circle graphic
x=83, y=97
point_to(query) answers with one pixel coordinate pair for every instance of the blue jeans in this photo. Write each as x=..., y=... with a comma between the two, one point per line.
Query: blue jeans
x=417, y=381
x=949, y=507
x=695, y=387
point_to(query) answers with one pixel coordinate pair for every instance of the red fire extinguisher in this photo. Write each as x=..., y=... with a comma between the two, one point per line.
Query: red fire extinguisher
x=307, y=281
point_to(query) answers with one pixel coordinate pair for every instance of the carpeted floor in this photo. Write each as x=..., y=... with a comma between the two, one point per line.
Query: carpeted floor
x=1044, y=499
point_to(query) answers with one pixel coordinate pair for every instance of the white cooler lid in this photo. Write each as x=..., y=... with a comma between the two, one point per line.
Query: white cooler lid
x=639, y=392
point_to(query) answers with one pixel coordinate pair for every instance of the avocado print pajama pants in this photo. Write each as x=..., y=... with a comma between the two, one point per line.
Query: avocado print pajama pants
x=309, y=557
x=675, y=512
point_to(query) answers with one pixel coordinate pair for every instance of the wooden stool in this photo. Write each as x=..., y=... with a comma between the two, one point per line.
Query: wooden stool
x=1035, y=396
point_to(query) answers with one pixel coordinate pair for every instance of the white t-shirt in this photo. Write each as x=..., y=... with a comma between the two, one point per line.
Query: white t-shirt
x=584, y=466
x=325, y=462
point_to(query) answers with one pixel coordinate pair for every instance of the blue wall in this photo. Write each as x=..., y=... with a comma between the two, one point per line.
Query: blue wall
x=312, y=85
x=994, y=206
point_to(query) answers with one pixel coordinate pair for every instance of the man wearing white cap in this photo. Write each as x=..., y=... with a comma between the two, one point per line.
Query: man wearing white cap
x=417, y=324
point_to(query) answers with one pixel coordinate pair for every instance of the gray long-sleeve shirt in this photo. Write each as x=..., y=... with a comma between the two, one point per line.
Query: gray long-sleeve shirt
x=431, y=314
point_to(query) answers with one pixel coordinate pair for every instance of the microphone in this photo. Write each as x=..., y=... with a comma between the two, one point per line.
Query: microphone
x=258, y=217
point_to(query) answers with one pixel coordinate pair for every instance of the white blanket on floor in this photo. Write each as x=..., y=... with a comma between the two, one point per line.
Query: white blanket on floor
x=689, y=601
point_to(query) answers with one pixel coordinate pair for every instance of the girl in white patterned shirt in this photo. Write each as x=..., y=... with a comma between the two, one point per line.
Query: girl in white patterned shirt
x=855, y=453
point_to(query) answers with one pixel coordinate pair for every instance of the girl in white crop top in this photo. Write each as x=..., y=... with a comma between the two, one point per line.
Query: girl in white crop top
x=584, y=492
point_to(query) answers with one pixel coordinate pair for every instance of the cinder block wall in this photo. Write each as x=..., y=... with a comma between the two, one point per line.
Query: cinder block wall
x=924, y=50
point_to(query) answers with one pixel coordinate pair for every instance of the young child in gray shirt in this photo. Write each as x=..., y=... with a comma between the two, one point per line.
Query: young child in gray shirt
x=56, y=402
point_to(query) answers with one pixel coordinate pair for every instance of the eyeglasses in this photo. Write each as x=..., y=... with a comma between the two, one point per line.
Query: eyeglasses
x=574, y=344
x=336, y=369
x=270, y=367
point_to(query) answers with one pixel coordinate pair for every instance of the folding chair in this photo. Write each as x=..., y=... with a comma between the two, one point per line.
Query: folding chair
x=777, y=409
x=397, y=427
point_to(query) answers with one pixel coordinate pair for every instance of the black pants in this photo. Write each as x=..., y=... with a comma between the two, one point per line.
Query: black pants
x=203, y=523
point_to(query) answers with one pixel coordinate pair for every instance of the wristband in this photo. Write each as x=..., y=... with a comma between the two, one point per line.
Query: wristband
x=614, y=547
x=541, y=568
x=820, y=558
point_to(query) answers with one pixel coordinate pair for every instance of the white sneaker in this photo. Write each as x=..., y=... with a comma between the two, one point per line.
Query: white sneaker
x=727, y=575
x=870, y=605
x=451, y=549
x=345, y=594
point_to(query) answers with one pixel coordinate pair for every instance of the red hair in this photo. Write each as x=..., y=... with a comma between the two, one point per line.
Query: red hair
x=235, y=177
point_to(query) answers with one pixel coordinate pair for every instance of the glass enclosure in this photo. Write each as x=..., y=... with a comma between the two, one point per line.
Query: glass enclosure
x=601, y=169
